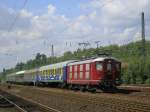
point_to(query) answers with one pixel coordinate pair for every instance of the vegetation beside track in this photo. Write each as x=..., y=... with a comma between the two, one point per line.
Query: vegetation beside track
x=133, y=69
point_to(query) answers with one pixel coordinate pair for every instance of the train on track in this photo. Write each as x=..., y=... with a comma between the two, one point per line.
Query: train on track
x=88, y=74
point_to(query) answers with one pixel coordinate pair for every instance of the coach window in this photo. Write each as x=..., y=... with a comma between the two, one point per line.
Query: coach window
x=40, y=72
x=46, y=71
x=81, y=67
x=87, y=67
x=58, y=71
x=49, y=72
x=99, y=66
x=70, y=67
x=87, y=75
x=70, y=76
x=70, y=70
x=54, y=72
x=75, y=75
x=75, y=68
x=81, y=75
x=43, y=72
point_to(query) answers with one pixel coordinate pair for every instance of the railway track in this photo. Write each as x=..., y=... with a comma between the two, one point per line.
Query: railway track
x=135, y=87
x=22, y=104
x=110, y=104
x=83, y=102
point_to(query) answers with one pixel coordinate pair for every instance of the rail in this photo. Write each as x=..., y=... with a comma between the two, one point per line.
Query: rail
x=25, y=105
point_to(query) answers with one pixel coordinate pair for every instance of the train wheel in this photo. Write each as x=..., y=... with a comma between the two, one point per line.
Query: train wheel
x=76, y=87
x=70, y=87
x=63, y=85
x=91, y=89
x=82, y=88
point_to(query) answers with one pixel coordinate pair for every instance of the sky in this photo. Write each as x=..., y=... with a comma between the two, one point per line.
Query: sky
x=31, y=26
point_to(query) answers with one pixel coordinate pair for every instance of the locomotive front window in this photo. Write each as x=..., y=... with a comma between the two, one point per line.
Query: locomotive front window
x=99, y=66
x=109, y=67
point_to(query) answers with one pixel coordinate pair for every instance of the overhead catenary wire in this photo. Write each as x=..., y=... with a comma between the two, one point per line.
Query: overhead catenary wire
x=13, y=24
x=16, y=18
x=87, y=43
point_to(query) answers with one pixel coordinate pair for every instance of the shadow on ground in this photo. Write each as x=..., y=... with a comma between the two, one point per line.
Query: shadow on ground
x=121, y=91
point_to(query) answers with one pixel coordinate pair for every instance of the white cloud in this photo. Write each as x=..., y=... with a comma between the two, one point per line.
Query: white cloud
x=51, y=9
x=110, y=21
x=25, y=13
x=116, y=12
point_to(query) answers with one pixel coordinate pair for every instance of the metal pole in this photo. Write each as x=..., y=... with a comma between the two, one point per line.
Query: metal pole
x=52, y=51
x=143, y=34
x=143, y=48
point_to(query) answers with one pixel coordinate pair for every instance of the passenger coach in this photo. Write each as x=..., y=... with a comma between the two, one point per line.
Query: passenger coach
x=54, y=73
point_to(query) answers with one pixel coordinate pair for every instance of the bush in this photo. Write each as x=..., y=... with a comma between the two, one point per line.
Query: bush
x=147, y=81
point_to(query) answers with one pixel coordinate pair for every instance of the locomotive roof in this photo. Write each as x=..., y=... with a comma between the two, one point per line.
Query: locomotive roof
x=93, y=60
x=20, y=72
x=56, y=65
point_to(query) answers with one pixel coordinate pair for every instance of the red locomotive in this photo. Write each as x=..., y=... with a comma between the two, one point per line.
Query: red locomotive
x=101, y=72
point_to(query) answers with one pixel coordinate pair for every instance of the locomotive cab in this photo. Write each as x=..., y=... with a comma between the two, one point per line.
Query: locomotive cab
x=108, y=71
x=112, y=69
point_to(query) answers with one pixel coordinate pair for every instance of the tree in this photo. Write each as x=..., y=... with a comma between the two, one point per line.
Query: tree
x=19, y=66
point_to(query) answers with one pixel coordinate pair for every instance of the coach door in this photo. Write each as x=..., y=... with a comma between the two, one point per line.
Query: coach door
x=109, y=69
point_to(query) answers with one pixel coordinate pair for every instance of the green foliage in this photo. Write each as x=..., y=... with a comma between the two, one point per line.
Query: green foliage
x=147, y=81
x=134, y=69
